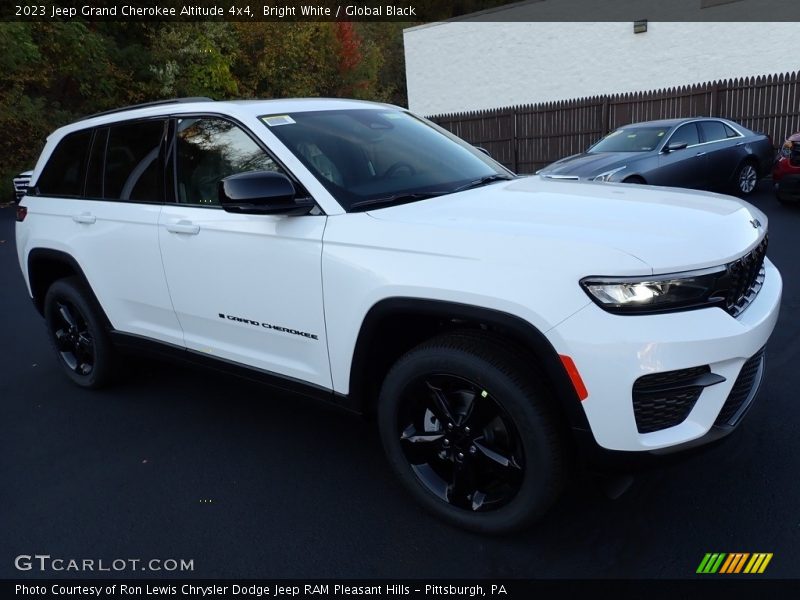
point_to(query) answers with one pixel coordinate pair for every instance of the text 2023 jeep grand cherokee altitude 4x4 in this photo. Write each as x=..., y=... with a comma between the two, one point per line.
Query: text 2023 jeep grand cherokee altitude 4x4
x=355, y=252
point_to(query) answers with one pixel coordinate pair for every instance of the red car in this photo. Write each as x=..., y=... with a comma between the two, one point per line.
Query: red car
x=786, y=171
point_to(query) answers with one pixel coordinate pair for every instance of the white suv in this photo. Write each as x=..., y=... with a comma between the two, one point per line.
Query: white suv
x=357, y=253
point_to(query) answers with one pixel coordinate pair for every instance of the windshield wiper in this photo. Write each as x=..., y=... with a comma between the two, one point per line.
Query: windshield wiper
x=395, y=199
x=483, y=181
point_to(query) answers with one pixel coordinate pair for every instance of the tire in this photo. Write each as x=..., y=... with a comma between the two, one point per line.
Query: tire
x=634, y=179
x=497, y=476
x=77, y=333
x=746, y=178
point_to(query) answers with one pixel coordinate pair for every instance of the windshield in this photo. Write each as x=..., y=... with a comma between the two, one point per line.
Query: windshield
x=366, y=157
x=631, y=139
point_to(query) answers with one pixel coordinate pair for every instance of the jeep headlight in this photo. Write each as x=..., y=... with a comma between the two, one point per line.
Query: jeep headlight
x=605, y=177
x=659, y=293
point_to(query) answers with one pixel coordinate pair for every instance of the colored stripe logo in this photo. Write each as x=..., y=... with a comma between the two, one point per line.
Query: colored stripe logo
x=734, y=562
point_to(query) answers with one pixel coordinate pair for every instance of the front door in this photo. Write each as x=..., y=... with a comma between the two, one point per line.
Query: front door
x=246, y=288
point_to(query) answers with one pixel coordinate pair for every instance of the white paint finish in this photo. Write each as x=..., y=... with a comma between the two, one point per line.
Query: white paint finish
x=459, y=66
x=630, y=347
x=119, y=255
x=259, y=268
x=520, y=247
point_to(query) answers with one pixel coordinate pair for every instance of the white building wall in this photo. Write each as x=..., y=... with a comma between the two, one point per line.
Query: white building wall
x=461, y=65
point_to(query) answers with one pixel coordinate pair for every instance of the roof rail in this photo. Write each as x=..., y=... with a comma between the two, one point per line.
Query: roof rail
x=146, y=104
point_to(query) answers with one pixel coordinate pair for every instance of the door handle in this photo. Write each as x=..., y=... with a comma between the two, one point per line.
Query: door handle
x=85, y=218
x=183, y=226
x=700, y=154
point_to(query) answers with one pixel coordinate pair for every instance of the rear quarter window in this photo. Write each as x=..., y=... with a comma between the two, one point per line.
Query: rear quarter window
x=64, y=173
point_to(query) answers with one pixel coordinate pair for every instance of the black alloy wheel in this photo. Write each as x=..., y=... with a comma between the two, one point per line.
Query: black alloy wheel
x=460, y=443
x=77, y=332
x=469, y=428
x=72, y=338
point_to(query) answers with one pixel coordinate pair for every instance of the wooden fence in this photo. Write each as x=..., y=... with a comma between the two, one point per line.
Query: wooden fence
x=528, y=137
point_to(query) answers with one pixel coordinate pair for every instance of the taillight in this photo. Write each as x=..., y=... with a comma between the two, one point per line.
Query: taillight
x=22, y=212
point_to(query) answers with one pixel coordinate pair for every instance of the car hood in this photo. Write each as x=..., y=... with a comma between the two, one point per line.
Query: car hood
x=590, y=164
x=668, y=229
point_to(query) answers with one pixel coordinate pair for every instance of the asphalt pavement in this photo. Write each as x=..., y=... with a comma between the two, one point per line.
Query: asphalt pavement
x=182, y=463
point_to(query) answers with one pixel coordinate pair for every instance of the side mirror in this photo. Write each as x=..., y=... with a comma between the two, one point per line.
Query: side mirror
x=262, y=193
x=675, y=146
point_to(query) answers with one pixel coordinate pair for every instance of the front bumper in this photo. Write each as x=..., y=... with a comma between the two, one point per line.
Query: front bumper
x=788, y=188
x=611, y=352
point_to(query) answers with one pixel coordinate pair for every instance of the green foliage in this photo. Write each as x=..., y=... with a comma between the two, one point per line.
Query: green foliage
x=52, y=73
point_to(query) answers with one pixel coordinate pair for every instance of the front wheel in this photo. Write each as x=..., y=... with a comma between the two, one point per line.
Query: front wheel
x=471, y=433
x=77, y=334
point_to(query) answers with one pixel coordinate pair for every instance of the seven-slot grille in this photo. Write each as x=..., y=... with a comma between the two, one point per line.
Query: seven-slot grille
x=21, y=186
x=745, y=277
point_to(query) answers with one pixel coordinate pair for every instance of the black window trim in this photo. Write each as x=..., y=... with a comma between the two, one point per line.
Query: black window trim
x=247, y=131
x=34, y=190
x=93, y=132
x=160, y=158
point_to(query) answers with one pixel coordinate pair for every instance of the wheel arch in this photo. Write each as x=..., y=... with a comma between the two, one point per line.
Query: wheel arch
x=635, y=178
x=413, y=320
x=45, y=266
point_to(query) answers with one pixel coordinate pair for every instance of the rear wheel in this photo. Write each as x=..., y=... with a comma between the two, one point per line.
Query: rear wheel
x=471, y=433
x=746, y=179
x=76, y=332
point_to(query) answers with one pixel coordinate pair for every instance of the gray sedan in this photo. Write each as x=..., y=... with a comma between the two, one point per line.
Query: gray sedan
x=700, y=153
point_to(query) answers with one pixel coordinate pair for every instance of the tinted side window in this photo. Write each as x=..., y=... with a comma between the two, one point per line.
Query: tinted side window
x=713, y=131
x=132, y=168
x=685, y=133
x=64, y=173
x=730, y=132
x=209, y=150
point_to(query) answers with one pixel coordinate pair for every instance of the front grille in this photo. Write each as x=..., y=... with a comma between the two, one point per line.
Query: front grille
x=745, y=277
x=663, y=400
x=21, y=186
x=743, y=390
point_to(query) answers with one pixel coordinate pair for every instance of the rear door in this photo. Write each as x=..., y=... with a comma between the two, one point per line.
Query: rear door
x=246, y=288
x=99, y=198
x=723, y=149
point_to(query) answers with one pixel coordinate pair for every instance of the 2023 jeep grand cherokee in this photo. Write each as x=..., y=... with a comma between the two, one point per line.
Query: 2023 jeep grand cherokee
x=355, y=252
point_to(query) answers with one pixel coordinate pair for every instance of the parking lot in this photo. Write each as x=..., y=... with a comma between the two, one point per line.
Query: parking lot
x=180, y=463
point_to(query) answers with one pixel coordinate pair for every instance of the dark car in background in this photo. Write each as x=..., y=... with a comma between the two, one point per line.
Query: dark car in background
x=700, y=153
x=786, y=171
x=21, y=185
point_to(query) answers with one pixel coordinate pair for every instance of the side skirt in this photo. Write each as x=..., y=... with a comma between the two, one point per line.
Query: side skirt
x=143, y=345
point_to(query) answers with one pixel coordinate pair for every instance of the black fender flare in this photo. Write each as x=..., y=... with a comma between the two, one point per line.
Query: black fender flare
x=519, y=330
